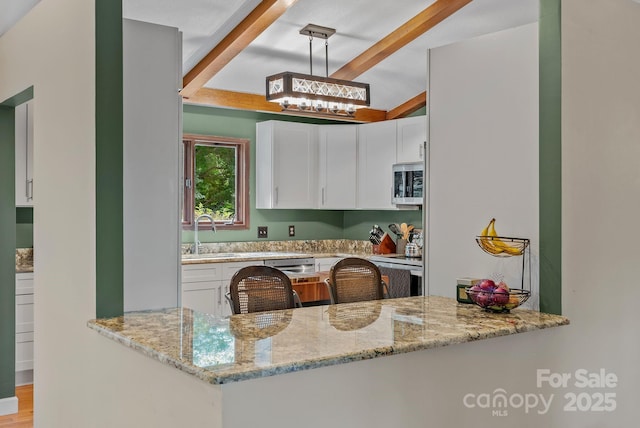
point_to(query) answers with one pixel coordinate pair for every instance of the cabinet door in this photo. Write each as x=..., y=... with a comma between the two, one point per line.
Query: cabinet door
x=201, y=287
x=411, y=135
x=286, y=165
x=24, y=154
x=337, y=158
x=24, y=313
x=24, y=283
x=24, y=351
x=201, y=272
x=376, y=156
x=204, y=300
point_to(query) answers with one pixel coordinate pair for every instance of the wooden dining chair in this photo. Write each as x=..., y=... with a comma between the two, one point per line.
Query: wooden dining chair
x=260, y=288
x=354, y=279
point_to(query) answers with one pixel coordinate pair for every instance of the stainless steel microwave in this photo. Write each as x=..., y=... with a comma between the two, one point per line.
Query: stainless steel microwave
x=408, y=183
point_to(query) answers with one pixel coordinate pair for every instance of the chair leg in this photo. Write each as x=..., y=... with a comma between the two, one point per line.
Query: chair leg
x=296, y=299
x=330, y=289
x=228, y=297
x=386, y=294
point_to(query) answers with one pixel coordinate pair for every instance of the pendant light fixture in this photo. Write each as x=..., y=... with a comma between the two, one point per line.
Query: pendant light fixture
x=306, y=92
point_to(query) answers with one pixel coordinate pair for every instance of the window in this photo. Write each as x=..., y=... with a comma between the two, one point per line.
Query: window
x=216, y=181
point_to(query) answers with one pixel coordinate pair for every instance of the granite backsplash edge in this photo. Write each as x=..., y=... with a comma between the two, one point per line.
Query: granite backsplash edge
x=326, y=246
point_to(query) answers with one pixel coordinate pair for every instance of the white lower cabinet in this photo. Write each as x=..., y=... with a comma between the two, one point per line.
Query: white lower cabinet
x=204, y=286
x=24, y=327
x=200, y=287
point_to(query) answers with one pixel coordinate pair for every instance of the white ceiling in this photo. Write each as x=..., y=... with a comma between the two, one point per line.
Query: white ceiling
x=359, y=24
x=11, y=11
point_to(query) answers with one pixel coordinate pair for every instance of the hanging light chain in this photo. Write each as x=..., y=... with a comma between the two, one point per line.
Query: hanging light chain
x=326, y=56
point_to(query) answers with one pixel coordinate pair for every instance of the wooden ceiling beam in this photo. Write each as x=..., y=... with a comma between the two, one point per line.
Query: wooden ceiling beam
x=239, y=38
x=408, y=107
x=255, y=102
x=403, y=35
x=239, y=100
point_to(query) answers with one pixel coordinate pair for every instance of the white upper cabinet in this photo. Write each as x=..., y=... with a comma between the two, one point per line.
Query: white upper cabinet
x=24, y=154
x=411, y=135
x=376, y=156
x=337, y=157
x=286, y=165
x=341, y=167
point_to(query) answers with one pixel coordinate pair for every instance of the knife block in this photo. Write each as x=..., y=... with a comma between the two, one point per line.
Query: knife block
x=387, y=246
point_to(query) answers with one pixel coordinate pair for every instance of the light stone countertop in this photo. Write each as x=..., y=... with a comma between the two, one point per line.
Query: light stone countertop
x=223, y=252
x=190, y=259
x=24, y=260
x=241, y=347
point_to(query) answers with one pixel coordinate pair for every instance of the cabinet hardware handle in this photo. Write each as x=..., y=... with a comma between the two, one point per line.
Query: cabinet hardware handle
x=276, y=195
x=421, y=150
x=219, y=296
x=29, y=190
x=323, y=196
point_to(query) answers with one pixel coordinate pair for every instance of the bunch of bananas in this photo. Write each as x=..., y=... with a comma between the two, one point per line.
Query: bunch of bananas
x=489, y=241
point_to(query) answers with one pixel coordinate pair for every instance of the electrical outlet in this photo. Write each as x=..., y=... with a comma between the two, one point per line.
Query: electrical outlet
x=262, y=231
x=292, y=230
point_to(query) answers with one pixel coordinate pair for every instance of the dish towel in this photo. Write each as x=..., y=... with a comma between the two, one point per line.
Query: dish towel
x=399, y=281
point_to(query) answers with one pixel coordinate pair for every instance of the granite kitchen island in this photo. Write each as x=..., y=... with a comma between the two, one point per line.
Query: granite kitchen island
x=247, y=347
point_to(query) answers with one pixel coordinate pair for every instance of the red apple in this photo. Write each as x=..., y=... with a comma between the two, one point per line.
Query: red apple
x=487, y=285
x=503, y=284
x=484, y=299
x=500, y=296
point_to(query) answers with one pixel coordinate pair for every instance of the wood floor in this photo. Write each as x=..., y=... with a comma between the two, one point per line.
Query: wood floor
x=24, y=417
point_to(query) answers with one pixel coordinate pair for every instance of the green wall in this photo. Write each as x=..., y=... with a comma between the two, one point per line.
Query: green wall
x=357, y=224
x=109, y=159
x=550, y=157
x=7, y=252
x=310, y=224
x=8, y=226
x=24, y=227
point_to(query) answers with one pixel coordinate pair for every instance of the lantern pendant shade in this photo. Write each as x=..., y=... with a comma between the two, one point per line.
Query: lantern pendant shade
x=295, y=88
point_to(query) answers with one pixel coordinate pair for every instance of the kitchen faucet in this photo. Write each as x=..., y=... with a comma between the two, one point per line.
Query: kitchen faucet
x=196, y=243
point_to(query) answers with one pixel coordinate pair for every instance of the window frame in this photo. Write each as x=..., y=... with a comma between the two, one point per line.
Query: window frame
x=189, y=142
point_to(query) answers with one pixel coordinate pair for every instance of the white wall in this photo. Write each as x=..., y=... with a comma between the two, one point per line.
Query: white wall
x=483, y=156
x=52, y=48
x=601, y=193
x=81, y=380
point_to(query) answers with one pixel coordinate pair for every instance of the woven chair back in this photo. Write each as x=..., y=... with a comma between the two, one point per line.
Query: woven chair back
x=260, y=288
x=355, y=280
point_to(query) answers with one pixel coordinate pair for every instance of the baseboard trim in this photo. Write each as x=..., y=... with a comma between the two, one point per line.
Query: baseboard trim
x=8, y=405
x=24, y=377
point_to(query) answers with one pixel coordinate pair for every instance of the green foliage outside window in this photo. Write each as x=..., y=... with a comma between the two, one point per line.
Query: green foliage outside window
x=215, y=181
